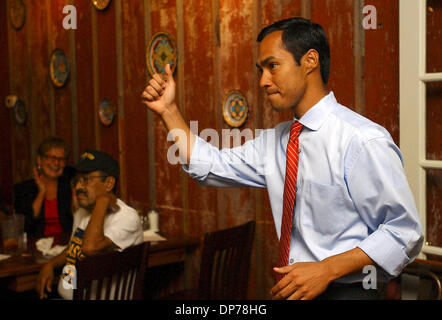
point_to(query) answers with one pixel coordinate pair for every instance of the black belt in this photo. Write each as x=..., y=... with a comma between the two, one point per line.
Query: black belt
x=348, y=291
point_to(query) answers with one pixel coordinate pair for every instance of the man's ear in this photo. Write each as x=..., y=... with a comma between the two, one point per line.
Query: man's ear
x=109, y=183
x=311, y=61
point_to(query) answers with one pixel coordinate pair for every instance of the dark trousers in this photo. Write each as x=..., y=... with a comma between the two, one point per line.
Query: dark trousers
x=348, y=291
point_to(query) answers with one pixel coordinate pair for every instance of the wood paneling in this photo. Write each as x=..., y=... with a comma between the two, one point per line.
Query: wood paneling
x=167, y=179
x=85, y=77
x=20, y=82
x=107, y=76
x=434, y=121
x=336, y=17
x=382, y=69
x=134, y=136
x=434, y=36
x=199, y=99
x=237, y=63
x=434, y=205
x=434, y=90
x=60, y=98
x=37, y=61
x=5, y=114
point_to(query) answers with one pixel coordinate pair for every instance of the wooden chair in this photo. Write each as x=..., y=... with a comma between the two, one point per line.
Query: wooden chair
x=225, y=265
x=429, y=287
x=113, y=276
x=425, y=286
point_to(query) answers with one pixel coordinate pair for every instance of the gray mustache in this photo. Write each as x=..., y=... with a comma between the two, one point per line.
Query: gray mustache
x=78, y=192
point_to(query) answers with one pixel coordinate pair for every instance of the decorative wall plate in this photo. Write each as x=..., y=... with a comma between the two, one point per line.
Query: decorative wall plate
x=17, y=13
x=20, y=114
x=235, y=108
x=101, y=4
x=161, y=51
x=58, y=67
x=106, y=111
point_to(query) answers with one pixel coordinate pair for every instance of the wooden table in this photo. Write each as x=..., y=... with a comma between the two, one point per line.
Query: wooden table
x=173, y=250
x=19, y=272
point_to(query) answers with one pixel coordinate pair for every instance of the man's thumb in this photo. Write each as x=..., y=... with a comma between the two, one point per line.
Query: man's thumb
x=168, y=72
x=280, y=269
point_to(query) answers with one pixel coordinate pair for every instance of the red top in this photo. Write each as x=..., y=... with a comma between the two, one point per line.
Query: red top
x=52, y=222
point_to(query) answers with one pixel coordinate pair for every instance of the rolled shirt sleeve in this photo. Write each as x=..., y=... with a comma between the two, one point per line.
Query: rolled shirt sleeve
x=378, y=186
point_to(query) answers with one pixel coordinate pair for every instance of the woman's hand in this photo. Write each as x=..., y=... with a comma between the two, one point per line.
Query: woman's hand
x=38, y=201
x=41, y=185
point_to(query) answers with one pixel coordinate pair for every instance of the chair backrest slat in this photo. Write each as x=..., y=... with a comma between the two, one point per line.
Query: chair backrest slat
x=225, y=263
x=113, y=273
x=99, y=289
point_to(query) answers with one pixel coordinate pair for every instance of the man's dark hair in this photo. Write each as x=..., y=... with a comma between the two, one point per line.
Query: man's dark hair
x=300, y=35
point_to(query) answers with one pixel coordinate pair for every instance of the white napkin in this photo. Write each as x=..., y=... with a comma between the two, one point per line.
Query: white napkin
x=4, y=256
x=44, y=245
x=150, y=235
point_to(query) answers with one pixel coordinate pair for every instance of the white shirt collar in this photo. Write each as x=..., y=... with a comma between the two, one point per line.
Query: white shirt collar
x=316, y=115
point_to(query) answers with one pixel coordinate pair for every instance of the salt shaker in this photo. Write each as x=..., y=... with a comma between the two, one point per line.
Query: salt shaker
x=154, y=218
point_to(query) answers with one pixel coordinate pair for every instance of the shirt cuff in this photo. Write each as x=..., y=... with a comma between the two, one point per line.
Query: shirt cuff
x=390, y=257
x=200, y=163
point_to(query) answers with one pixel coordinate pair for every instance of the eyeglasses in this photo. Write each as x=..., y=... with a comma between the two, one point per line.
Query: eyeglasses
x=53, y=158
x=84, y=180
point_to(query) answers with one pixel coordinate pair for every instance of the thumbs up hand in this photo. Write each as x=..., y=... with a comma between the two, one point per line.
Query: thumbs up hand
x=159, y=95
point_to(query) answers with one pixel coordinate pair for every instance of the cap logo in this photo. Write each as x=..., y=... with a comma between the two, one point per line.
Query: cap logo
x=88, y=155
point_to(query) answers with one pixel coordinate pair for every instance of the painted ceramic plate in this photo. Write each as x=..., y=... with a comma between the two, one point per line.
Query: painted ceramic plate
x=20, y=114
x=235, y=109
x=58, y=68
x=160, y=52
x=101, y=4
x=107, y=112
x=17, y=13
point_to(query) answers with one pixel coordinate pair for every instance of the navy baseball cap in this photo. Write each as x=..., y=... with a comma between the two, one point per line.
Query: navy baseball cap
x=94, y=160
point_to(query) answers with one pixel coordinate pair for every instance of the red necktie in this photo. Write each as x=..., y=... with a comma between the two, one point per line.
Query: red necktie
x=289, y=195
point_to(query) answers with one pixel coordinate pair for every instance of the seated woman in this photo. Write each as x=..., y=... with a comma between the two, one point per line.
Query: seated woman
x=46, y=200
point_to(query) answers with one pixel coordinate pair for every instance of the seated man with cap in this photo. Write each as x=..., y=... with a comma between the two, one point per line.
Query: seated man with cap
x=102, y=223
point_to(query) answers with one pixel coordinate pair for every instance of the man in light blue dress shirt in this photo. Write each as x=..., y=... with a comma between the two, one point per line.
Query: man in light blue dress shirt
x=354, y=208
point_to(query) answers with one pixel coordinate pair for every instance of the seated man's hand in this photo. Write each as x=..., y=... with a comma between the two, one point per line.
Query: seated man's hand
x=44, y=281
x=107, y=201
x=303, y=281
